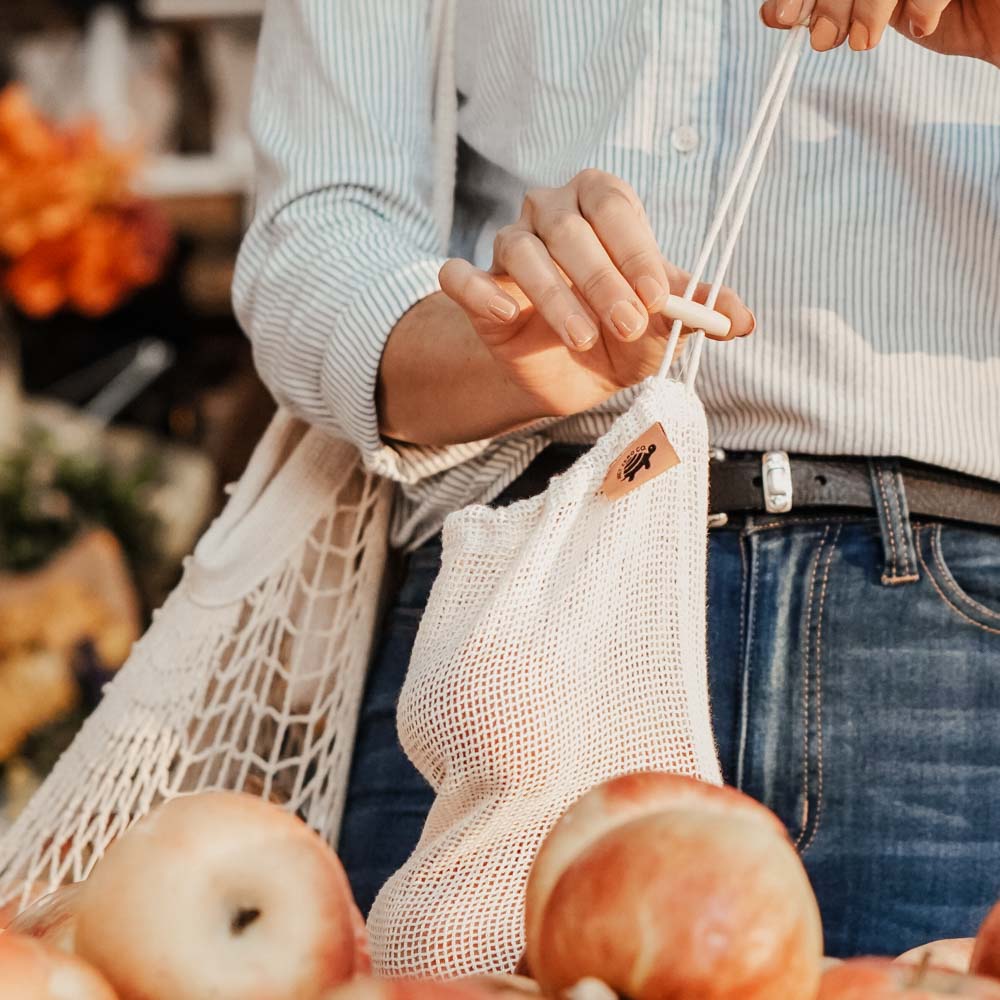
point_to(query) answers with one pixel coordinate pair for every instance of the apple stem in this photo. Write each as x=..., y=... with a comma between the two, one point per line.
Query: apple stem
x=243, y=918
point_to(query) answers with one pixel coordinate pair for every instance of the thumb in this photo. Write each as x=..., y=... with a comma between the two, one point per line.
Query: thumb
x=490, y=309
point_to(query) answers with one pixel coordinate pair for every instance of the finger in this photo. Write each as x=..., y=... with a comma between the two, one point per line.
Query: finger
x=491, y=310
x=868, y=23
x=830, y=23
x=921, y=17
x=522, y=255
x=574, y=246
x=617, y=218
x=781, y=13
x=768, y=14
x=742, y=320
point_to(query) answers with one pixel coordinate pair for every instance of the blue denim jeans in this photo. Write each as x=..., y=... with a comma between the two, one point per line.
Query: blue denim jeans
x=854, y=668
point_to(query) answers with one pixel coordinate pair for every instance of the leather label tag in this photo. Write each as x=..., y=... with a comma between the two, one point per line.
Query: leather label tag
x=650, y=454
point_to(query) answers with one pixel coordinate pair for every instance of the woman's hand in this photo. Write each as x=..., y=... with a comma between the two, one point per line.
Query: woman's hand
x=569, y=310
x=952, y=27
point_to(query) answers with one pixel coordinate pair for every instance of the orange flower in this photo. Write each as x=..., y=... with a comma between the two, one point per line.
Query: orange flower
x=71, y=232
x=50, y=179
x=94, y=267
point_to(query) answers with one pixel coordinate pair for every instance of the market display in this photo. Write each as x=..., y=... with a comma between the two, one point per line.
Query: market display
x=651, y=886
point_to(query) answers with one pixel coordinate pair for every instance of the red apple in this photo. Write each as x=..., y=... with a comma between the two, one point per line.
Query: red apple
x=220, y=895
x=884, y=979
x=665, y=887
x=611, y=804
x=406, y=989
x=51, y=918
x=589, y=989
x=951, y=954
x=986, y=953
x=29, y=970
x=503, y=984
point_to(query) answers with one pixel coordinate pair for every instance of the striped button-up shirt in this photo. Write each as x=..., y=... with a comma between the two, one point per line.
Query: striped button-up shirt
x=871, y=256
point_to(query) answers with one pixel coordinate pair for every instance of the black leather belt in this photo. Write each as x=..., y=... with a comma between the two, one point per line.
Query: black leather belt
x=737, y=485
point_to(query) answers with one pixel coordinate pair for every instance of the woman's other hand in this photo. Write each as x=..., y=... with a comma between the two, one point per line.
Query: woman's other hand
x=952, y=27
x=570, y=308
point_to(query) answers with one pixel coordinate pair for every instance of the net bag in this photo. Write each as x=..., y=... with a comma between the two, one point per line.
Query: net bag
x=563, y=644
x=249, y=677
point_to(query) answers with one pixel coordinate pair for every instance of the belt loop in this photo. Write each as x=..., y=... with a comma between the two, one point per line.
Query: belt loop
x=889, y=493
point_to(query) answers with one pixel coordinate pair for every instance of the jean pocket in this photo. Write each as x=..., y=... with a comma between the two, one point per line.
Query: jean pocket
x=963, y=565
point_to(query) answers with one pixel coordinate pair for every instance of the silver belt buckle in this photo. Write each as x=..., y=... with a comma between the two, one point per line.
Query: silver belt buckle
x=776, y=476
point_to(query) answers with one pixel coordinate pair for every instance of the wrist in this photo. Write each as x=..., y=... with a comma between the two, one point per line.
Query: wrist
x=438, y=384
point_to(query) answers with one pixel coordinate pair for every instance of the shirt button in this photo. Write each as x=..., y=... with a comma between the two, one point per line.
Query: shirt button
x=684, y=139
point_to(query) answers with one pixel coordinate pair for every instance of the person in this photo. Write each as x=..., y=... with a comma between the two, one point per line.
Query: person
x=854, y=639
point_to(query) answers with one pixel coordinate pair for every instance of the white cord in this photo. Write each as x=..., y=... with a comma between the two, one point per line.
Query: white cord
x=445, y=114
x=748, y=168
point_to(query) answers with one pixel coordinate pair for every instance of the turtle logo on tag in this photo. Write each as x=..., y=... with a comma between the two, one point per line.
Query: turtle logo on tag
x=636, y=461
x=645, y=458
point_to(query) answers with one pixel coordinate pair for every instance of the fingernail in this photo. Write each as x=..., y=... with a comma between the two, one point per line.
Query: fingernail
x=627, y=319
x=788, y=11
x=859, y=39
x=502, y=307
x=651, y=292
x=581, y=332
x=824, y=34
x=916, y=31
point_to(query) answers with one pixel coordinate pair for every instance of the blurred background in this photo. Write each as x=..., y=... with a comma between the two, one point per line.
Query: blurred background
x=127, y=392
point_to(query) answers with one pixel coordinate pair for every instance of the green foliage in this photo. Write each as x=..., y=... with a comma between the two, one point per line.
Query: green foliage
x=46, y=499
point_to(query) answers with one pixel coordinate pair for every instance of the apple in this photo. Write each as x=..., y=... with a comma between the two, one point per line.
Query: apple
x=407, y=989
x=51, y=918
x=951, y=954
x=503, y=984
x=589, y=989
x=30, y=970
x=220, y=895
x=885, y=979
x=663, y=886
x=609, y=805
x=986, y=953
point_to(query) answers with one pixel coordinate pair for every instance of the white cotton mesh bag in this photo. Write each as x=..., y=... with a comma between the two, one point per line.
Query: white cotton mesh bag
x=563, y=643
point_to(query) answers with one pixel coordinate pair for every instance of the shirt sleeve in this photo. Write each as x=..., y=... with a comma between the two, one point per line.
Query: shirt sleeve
x=343, y=240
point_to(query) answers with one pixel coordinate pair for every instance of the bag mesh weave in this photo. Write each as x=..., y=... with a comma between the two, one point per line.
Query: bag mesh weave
x=563, y=643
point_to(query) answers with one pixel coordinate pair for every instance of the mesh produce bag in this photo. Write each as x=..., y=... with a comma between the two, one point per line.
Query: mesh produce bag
x=250, y=676
x=563, y=643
